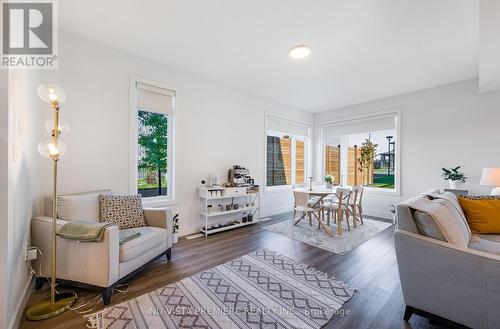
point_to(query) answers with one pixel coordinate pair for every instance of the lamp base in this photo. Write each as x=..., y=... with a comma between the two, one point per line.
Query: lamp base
x=495, y=191
x=45, y=309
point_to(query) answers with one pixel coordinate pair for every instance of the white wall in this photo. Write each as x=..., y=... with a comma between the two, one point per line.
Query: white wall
x=26, y=170
x=4, y=197
x=217, y=126
x=441, y=127
x=489, y=45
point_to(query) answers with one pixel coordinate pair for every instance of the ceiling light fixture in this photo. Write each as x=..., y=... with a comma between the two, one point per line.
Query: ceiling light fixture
x=300, y=52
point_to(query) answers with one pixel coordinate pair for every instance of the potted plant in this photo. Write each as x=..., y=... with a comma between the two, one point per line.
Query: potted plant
x=329, y=181
x=455, y=177
x=175, y=228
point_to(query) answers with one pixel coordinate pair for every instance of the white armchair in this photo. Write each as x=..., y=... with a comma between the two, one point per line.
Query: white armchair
x=102, y=264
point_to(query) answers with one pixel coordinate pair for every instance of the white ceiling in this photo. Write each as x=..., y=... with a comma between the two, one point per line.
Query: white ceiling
x=361, y=49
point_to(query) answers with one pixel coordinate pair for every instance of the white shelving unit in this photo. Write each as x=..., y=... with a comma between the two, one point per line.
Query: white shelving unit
x=223, y=196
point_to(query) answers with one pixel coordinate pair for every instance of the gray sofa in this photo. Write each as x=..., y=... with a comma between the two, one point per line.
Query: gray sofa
x=103, y=264
x=445, y=280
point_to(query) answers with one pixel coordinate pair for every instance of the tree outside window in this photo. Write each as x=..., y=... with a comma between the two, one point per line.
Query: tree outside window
x=152, y=153
x=366, y=159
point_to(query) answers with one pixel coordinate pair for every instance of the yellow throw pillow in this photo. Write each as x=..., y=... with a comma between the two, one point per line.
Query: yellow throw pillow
x=482, y=212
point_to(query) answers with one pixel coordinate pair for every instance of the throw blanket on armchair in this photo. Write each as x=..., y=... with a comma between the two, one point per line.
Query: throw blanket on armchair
x=92, y=232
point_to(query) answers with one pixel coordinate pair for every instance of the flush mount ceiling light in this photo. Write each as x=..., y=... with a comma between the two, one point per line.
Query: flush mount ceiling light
x=300, y=52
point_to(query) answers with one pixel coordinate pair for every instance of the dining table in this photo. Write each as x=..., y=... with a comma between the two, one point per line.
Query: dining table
x=319, y=193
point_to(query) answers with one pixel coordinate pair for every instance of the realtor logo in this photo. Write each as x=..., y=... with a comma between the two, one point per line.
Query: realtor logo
x=29, y=34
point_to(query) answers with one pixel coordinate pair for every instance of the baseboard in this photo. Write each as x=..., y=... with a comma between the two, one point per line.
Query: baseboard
x=276, y=211
x=378, y=213
x=16, y=320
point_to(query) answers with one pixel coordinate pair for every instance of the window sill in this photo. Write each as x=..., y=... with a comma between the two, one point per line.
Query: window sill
x=381, y=191
x=277, y=189
x=282, y=188
x=155, y=202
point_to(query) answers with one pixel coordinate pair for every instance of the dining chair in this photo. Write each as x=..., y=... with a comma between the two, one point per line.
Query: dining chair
x=356, y=204
x=340, y=204
x=301, y=204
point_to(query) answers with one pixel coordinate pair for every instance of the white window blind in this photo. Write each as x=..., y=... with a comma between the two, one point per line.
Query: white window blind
x=381, y=122
x=155, y=99
x=282, y=125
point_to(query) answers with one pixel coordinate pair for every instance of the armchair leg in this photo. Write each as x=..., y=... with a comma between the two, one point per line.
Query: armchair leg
x=39, y=283
x=106, y=295
x=168, y=253
x=408, y=313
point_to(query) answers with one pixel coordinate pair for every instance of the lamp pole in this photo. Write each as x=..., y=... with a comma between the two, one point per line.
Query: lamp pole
x=55, y=159
x=52, y=148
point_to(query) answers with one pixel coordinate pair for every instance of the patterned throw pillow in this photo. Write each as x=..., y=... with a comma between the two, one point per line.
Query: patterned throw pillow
x=123, y=210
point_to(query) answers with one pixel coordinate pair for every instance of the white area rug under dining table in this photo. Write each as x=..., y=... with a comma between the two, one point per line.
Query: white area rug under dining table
x=316, y=237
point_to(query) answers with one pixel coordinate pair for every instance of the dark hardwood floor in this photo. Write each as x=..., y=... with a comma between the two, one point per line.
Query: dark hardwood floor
x=371, y=268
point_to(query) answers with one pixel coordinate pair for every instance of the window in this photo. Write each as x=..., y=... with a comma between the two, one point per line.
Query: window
x=152, y=139
x=154, y=111
x=363, y=152
x=279, y=160
x=285, y=152
x=300, y=161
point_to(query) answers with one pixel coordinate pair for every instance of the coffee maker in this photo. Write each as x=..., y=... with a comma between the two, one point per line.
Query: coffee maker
x=240, y=176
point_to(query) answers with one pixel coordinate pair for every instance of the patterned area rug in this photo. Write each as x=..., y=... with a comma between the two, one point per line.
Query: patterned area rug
x=318, y=238
x=259, y=290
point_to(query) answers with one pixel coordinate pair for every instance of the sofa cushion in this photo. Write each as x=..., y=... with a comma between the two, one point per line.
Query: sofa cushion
x=490, y=237
x=489, y=246
x=123, y=210
x=78, y=207
x=150, y=237
x=129, y=266
x=47, y=201
x=483, y=213
x=426, y=225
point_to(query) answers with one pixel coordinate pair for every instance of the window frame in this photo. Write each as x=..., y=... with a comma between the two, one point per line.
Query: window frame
x=396, y=191
x=306, y=139
x=171, y=197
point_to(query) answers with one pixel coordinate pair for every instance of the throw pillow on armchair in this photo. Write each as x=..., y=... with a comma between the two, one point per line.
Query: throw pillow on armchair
x=123, y=210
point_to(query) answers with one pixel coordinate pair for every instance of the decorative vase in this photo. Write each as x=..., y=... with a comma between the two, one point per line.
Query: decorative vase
x=175, y=237
x=329, y=186
x=456, y=184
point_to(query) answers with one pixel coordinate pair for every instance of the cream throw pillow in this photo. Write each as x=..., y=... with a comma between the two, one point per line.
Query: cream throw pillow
x=123, y=210
x=78, y=207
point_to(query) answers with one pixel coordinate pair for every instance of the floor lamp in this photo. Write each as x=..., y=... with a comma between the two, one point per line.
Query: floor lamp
x=53, y=148
x=491, y=177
